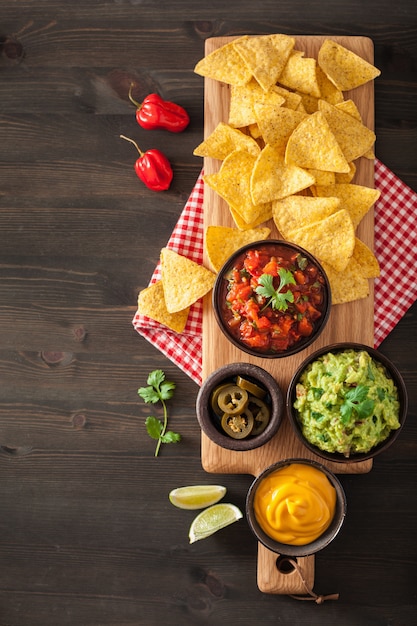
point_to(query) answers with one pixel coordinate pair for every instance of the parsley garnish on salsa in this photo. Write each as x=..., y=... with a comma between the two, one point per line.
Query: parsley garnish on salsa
x=274, y=298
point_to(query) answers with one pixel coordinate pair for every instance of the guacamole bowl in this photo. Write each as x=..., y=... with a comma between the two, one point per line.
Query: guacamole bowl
x=296, y=507
x=347, y=402
x=240, y=406
x=271, y=299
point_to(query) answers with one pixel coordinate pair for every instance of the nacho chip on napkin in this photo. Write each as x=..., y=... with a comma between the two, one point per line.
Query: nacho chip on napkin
x=151, y=302
x=183, y=280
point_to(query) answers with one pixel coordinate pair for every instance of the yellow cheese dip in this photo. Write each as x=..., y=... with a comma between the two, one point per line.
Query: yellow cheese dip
x=295, y=504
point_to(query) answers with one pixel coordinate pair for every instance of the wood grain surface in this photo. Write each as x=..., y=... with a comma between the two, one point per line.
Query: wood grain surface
x=88, y=535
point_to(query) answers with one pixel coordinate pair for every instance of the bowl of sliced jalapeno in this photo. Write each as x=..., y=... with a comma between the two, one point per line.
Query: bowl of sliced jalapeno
x=240, y=406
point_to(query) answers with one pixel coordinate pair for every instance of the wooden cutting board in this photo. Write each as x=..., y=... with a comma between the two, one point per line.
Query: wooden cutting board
x=352, y=321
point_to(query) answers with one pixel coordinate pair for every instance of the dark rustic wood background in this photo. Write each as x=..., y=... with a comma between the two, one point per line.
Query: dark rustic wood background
x=87, y=534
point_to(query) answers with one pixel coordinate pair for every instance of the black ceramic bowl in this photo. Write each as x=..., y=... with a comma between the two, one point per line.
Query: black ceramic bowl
x=222, y=311
x=210, y=421
x=391, y=371
x=291, y=550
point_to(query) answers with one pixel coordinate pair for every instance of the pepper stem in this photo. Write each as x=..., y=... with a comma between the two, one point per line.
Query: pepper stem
x=132, y=100
x=134, y=143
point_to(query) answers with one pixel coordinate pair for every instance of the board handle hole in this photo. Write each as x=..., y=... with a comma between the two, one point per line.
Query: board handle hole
x=285, y=564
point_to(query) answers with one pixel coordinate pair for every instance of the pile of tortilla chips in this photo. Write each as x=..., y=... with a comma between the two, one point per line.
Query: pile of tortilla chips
x=182, y=283
x=288, y=152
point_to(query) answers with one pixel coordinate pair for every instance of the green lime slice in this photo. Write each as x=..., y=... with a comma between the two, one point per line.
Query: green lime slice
x=212, y=519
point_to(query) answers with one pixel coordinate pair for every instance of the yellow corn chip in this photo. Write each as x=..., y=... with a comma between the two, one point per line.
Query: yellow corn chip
x=183, y=280
x=242, y=100
x=232, y=183
x=328, y=91
x=331, y=240
x=276, y=125
x=366, y=259
x=343, y=67
x=348, y=285
x=344, y=178
x=263, y=216
x=299, y=74
x=292, y=99
x=312, y=145
x=353, y=137
x=151, y=302
x=222, y=241
x=265, y=56
x=324, y=178
x=225, y=65
x=295, y=212
x=356, y=199
x=224, y=140
x=348, y=106
x=272, y=179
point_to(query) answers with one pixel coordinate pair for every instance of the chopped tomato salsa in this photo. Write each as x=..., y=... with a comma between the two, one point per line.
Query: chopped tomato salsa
x=274, y=298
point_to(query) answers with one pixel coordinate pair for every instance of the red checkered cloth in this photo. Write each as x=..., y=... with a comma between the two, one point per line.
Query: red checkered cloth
x=395, y=289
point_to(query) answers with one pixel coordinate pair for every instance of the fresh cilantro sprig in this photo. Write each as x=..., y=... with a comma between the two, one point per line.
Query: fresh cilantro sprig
x=357, y=400
x=158, y=390
x=277, y=298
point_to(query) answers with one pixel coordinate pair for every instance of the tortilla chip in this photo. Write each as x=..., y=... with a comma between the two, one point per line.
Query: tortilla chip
x=324, y=178
x=272, y=179
x=276, y=125
x=331, y=240
x=221, y=242
x=297, y=211
x=232, y=183
x=353, y=137
x=183, y=280
x=348, y=285
x=328, y=91
x=366, y=259
x=224, y=140
x=299, y=74
x=344, y=178
x=225, y=65
x=292, y=99
x=263, y=216
x=312, y=145
x=151, y=302
x=242, y=100
x=356, y=199
x=348, y=106
x=343, y=67
x=265, y=56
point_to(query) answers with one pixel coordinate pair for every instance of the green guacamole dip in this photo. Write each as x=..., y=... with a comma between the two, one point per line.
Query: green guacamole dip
x=346, y=402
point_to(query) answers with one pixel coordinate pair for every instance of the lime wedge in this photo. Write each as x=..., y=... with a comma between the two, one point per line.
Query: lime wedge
x=196, y=496
x=212, y=519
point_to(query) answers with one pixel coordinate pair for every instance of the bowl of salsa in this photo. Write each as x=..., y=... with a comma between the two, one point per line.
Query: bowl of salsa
x=347, y=402
x=271, y=299
x=296, y=507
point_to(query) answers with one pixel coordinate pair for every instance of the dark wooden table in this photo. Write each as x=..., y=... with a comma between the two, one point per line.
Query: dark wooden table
x=87, y=534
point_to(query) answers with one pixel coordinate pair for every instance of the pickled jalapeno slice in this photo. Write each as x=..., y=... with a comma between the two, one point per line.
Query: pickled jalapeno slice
x=261, y=415
x=238, y=426
x=250, y=387
x=232, y=400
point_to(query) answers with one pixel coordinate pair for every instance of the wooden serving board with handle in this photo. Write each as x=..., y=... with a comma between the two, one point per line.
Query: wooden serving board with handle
x=353, y=321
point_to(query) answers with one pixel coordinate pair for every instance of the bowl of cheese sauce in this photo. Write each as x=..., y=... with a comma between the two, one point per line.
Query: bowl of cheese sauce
x=296, y=507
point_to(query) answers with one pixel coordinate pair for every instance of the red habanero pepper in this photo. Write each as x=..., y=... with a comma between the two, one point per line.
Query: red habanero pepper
x=153, y=168
x=154, y=112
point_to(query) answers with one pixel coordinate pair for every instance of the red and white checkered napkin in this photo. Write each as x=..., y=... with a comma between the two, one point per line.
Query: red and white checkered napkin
x=395, y=289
